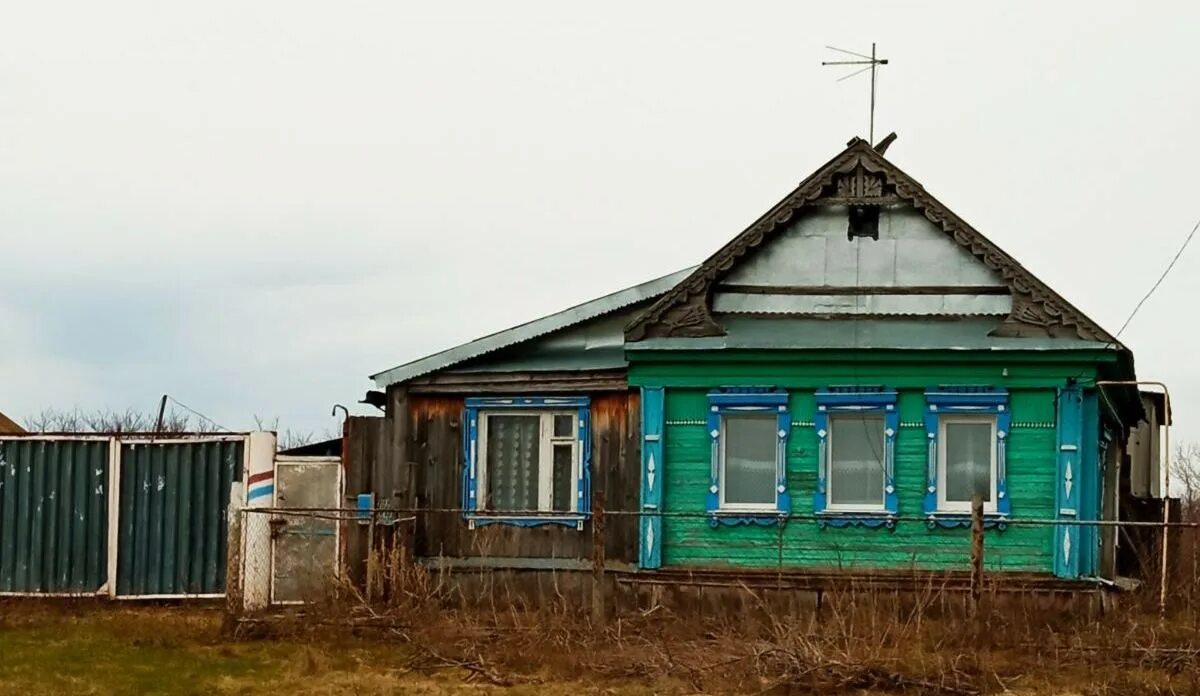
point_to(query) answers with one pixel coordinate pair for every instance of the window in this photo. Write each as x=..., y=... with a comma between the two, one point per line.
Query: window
x=967, y=429
x=526, y=461
x=967, y=462
x=855, y=465
x=750, y=451
x=749, y=431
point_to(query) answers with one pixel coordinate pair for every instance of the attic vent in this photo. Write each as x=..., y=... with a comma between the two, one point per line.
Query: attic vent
x=864, y=222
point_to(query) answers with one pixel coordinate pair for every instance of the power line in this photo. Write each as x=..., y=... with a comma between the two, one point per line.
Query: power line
x=194, y=411
x=1161, y=278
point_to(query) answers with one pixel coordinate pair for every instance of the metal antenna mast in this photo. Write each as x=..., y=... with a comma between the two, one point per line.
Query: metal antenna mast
x=872, y=63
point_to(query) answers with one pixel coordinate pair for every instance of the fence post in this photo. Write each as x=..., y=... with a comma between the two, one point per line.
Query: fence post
x=371, y=559
x=233, y=564
x=599, y=610
x=976, y=553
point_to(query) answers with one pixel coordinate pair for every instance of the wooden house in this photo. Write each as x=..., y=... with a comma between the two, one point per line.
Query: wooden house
x=823, y=395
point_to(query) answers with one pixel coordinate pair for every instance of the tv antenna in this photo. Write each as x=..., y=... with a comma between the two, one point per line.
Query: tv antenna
x=872, y=63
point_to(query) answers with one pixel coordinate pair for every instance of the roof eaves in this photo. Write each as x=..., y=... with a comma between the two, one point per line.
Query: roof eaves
x=529, y=330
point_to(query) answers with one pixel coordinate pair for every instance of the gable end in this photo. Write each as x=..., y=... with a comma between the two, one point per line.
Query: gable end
x=863, y=181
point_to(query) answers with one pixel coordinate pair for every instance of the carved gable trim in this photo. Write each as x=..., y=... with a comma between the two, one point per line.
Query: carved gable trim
x=861, y=176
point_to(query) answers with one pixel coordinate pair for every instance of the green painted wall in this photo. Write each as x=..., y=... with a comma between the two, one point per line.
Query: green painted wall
x=690, y=540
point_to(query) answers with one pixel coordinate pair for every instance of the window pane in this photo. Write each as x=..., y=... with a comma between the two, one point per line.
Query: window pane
x=564, y=426
x=512, y=462
x=562, y=478
x=750, y=443
x=856, y=461
x=968, y=461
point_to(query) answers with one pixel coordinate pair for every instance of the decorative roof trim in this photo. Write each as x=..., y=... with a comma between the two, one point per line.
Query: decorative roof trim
x=686, y=310
x=530, y=330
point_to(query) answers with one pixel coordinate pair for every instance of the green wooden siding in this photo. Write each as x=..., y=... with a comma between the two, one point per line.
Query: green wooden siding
x=690, y=541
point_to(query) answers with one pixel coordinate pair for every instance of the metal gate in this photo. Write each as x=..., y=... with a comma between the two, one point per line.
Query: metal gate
x=173, y=521
x=304, y=543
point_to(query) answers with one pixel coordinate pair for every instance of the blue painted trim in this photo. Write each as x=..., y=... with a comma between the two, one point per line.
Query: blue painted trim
x=583, y=486
x=256, y=493
x=1089, y=485
x=575, y=521
x=742, y=401
x=735, y=519
x=650, y=535
x=1068, y=483
x=471, y=464
x=540, y=402
x=856, y=519
x=730, y=397
x=835, y=401
x=947, y=520
x=967, y=400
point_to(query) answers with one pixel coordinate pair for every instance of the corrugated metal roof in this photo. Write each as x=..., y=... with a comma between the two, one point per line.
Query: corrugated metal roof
x=538, y=327
x=904, y=334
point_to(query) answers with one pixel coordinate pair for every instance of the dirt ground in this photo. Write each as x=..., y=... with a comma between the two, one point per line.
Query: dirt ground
x=90, y=648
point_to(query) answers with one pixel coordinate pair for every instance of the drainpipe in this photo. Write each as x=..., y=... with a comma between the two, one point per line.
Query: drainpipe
x=1166, y=515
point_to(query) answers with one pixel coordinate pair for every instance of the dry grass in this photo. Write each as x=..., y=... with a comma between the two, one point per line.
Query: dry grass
x=861, y=641
x=421, y=635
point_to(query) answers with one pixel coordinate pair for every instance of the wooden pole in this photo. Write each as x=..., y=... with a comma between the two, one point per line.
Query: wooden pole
x=976, y=553
x=599, y=591
x=372, y=561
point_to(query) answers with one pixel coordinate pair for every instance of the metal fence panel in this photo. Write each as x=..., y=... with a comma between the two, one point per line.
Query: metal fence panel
x=173, y=524
x=53, y=515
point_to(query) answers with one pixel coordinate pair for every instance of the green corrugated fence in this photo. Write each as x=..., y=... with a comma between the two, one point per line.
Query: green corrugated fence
x=53, y=516
x=171, y=514
x=172, y=529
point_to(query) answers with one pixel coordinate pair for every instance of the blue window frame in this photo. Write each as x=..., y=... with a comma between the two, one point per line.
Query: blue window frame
x=856, y=480
x=748, y=430
x=967, y=428
x=527, y=461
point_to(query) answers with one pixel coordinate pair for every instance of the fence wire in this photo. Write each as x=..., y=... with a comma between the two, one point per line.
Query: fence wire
x=308, y=555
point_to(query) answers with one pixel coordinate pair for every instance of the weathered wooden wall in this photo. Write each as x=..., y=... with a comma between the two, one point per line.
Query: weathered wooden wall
x=412, y=459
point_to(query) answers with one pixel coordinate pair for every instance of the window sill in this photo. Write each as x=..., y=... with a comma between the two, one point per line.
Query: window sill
x=734, y=518
x=849, y=518
x=956, y=520
x=575, y=520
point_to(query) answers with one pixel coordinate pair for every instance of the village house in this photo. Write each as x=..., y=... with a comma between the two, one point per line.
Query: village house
x=823, y=397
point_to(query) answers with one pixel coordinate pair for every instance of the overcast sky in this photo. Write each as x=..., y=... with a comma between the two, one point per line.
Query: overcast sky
x=252, y=206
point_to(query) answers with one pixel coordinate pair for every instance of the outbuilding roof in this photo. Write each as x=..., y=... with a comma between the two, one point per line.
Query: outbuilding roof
x=530, y=330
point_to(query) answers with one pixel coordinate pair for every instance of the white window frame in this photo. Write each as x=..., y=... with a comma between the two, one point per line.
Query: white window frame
x=773, y=506
x=989, y=506
x=546, y=443
x=856, y=507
